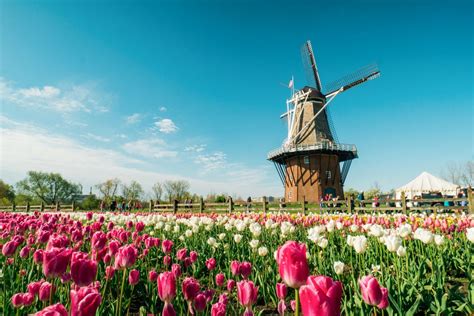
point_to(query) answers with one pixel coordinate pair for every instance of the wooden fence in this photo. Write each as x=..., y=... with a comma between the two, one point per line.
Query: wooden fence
x=349, y=205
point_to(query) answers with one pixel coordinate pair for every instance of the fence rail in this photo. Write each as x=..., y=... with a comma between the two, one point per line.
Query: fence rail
x=349, y=205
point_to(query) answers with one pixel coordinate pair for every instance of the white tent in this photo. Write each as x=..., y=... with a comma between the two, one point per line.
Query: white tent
x=426, y=183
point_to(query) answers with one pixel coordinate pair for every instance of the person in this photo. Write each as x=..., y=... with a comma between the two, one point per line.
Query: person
x=249, y=204
x=124, y=206
x=282, y=204
x=102, y=205
x=360, y=198
x=463, y=202
x=113, y=206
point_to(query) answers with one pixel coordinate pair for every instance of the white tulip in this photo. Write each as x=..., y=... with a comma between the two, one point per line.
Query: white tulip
x=424, y=235
x=221, y=236
x=401, y=251
x=393, y=243
x=237, y=238
x=360, y=244
x=262, y=251
x=254, y=243
x=339, y=267
x=212, y=241
x=439, y=240
x=404, y=230
x=470, y=234
x=323, y=242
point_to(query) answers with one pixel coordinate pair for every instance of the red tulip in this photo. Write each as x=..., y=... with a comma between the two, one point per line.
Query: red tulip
x=220, y=279
x=38, y=256
x=211, y=264
x=83, y=270
x=17, y=300
x=53, y=310
x=176, y=269
x=55, y=262
x=218, y=309
x=166, y=286
x=384, y=302
x=28, y=299
x=247, y=293
x=85, y=301
x=321, y=296
x=292, y=264
x=370, y=289
x=139, y=226
x=125, y=257
x=190, y=288
x=25, y=252
x=133, y=277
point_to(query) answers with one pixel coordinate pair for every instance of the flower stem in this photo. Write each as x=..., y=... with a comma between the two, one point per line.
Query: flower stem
x=297, y=302
x=119, y=301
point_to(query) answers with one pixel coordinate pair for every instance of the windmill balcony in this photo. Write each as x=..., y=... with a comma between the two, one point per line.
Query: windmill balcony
x=345, y=151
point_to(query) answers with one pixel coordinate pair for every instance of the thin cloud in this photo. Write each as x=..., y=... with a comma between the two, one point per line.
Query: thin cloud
x=134, y=118
x=96, y=137
x=163, y=109
x=195, y=148
x=76, y=98
x=149, y=148
x=210, y=162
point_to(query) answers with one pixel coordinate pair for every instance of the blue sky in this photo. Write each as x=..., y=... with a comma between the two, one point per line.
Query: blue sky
x=193, y=90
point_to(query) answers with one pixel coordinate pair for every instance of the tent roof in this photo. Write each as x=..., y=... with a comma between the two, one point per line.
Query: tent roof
x=427, y=182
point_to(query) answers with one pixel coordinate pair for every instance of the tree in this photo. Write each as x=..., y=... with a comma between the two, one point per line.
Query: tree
x=461, y=174
x=133, y=191
x=7, y=193
x=176, y=189
x=157, y=191
x=48, y=187
x=90, y=203
x=108, y=189
x=351, y=192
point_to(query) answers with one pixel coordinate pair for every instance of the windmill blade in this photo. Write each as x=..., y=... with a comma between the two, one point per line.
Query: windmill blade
x=309, y=63
x=360, y=76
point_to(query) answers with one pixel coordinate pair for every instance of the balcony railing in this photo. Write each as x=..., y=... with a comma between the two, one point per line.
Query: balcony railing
x=330, y=146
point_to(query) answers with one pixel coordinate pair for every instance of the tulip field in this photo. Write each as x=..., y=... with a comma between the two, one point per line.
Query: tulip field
x=81, y=264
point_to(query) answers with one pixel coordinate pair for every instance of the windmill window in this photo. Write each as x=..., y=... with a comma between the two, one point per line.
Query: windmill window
x=328, y=174
x=306, y=160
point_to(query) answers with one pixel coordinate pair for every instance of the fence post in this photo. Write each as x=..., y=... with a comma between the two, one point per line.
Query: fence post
x=201, y=204
x=151, y=208
x=28, y=206
x=175, y=206
x=264, y=204
x=470, y=200
x=404, y=203
x=57, y=206
x=349, y=204
x=42, y=206
x=303, y=205
x=73, y=206
x=231, y=205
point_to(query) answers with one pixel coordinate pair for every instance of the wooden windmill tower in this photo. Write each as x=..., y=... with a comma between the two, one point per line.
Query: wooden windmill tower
x=311, y=162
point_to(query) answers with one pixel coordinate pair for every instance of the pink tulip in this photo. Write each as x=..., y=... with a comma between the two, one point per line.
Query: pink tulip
x=220, y=279
x=281, y=290
x=152, y=275
x=85, y=301
x=190, y=288
x=245, y=269
x=34, y=287
x=24, y=252
x=211, y=264
x=83, y=270
x=17, y=300
x=292, y=264
x=193, y=255
x=223, y=298
x=247, y=293
x=371, y=290
x=176, y=269
x=166, y=246
x=139, y=226
x=99, y=240
x=53, y=310
x=235, y=267
x=181, y=254
x=109, y=272
x=125, y=257
x=384, y=301
x=281, y=307
x=133, y=277
x=168, y=310
x=55, y=262
x=38, y=256
x=28, y=299
x=46, y=291
x=218, y=309
x=200, y=302
x=321, y=296
x=166, y=286
x=166, y=260
x=9, y=249
x=230, y=285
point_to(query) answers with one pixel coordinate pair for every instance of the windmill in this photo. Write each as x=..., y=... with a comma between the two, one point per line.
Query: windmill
x=311, y=162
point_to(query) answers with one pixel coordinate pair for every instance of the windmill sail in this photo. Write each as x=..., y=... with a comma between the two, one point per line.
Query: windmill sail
x=309, y=63
x=349, y=81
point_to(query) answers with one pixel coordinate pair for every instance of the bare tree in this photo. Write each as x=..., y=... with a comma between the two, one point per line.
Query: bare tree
x=108, y=189
x=467, y=176
x=157, y=191
x=133, y=191
x=176, y=189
